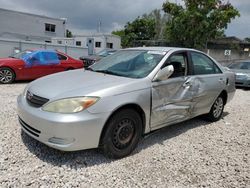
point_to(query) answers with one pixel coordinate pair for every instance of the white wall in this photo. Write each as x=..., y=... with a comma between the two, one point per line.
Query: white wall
x=24, y=26
x=104, y=39
x=7, y=47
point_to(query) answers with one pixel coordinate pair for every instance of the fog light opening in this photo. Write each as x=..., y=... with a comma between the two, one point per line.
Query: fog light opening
x=61, y=141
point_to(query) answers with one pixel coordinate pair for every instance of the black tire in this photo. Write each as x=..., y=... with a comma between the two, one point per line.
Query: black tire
x=7, y=75
x=122, y=133
x=216, y=110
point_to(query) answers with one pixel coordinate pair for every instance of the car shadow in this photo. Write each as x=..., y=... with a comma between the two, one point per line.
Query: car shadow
x=22, y=82
x=92, y=157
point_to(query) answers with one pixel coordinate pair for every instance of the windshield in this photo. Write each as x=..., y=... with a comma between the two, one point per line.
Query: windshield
x=241, y=65
x=21, y=54
x=129, y=63
x=105, y=53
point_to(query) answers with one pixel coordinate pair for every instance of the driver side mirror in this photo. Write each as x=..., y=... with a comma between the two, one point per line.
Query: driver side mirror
x=164, y=73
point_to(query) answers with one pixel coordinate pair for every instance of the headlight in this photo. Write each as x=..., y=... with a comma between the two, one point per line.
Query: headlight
x=70, y=105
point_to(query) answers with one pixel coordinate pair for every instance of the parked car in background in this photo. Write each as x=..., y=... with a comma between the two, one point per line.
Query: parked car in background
x=122, y=97
x=32, y=64
x=89, y=60
x=242, y=71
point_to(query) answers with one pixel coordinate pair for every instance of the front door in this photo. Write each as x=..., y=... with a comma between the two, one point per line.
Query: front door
x=172, y=98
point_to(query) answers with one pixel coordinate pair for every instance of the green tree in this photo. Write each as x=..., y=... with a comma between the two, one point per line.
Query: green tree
x=140, y=29
x=197, y=21
x=147, y=27
x=68, y=34
x=161, y=20
x=247, y=39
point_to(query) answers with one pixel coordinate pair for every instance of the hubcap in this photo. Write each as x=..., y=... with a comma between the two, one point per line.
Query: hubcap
x=218, y=107
x=5, y=76
x=123, y=133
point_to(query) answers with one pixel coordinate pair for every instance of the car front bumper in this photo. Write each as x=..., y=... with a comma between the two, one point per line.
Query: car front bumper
x=242, y=82
x=66, y=132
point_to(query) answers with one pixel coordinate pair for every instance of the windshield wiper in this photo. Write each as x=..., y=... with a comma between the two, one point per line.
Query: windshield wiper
x=107, y=72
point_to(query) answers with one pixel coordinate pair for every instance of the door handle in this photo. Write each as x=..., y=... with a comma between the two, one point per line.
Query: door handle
x=221, y=80
x=187, y=84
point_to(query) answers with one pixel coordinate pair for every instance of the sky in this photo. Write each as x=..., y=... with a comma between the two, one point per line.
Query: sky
x=83, y=16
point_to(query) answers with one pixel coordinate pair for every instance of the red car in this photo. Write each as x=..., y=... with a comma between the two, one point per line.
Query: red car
x=32, y=64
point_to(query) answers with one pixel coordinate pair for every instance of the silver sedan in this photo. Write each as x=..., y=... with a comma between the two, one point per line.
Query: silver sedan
x=116, y=101
x=242, y=71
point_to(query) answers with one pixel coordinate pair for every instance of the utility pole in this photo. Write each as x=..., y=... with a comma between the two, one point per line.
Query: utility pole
x=99, y=26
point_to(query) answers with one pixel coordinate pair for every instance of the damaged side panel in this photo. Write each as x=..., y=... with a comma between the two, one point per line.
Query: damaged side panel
x=178, y=99
x=171, y=102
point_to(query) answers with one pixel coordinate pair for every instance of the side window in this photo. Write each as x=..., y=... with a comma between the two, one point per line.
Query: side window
x=203, y=65
x=179, y=62
x=61, y=57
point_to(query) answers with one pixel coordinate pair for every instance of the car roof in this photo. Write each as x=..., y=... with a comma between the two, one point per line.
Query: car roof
x=164, y=49
x=243, y=61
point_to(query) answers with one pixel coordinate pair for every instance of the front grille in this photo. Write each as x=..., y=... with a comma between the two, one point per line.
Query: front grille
x=35, y=100
x=28, y=128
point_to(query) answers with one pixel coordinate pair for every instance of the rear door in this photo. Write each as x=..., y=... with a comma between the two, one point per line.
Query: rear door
x=63, y=65
x=172, y=98
x=43, y=63
x=207, y=82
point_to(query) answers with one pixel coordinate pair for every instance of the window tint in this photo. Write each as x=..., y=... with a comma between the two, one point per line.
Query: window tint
x=129, y=63
x=49, y=56
x=203, y=65
x=245, y=65
x=61, y=57
x=179, y=62
x=241, y=65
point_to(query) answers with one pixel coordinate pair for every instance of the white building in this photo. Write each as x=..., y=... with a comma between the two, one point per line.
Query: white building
x=30, y=27
x=94, y=42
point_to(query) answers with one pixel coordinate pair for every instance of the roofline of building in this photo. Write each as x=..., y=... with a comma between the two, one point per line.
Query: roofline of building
x=97, y=35
x=31, y=14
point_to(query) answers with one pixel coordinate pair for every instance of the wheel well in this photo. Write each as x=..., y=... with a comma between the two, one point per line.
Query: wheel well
x=11, y=70
x=135, y=107
x=224, y=96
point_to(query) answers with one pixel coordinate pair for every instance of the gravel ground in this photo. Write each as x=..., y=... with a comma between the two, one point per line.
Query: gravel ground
x=191, y=154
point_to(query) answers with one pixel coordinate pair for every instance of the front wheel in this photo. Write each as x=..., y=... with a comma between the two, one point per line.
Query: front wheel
x=7, y=76
x=216, y=110
x=123, y=133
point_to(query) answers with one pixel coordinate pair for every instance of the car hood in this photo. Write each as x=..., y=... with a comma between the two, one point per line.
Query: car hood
x=83, y=83
x=8, y=60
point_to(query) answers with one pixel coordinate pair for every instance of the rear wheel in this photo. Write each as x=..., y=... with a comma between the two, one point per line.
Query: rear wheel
x=216, y=110
x=123, y=133
x=7, y=76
